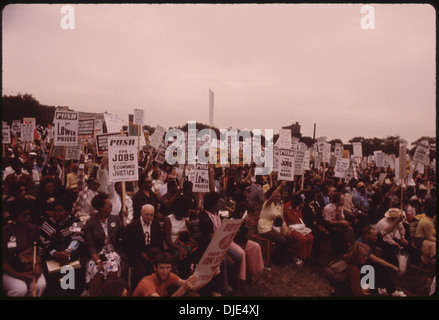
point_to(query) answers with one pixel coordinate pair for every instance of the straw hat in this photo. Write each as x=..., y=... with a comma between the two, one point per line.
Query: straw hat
x=393, y=213
x=360, y=184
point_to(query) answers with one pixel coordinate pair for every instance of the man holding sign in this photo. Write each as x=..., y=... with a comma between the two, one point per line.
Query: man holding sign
x=163, y=279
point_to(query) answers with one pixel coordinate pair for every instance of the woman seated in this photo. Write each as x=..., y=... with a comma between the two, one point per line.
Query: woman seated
x=103, y=242
x=22, y=270
x=61, y=241
x=178, y=240
x=299, y=232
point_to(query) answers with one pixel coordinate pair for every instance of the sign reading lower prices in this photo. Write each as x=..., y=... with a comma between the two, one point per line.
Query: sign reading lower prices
x=66, y=128
x=216, y=251
x=122, y=159
x=201, y=178
x=286, y=164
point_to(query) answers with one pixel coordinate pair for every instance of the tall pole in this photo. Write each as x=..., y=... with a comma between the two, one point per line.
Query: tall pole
x=314, y=134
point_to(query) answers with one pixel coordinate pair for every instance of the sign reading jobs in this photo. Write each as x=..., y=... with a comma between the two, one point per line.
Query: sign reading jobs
x=122, y=159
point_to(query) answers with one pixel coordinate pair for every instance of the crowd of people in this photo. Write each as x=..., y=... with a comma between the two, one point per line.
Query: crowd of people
x=146, y=238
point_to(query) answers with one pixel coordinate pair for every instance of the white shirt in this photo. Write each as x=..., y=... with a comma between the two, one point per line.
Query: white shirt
x=146, y=228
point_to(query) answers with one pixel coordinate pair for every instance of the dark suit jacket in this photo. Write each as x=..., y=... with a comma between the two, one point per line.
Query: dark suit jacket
x=134, y=239
x=95, y=237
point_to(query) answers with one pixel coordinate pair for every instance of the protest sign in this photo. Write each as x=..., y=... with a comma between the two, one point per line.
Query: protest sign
x=113, y=123
x=27, y=132
x=341, y=168
x=86, y=129
x=321, y=142
x=285, y=138
x=358, y=151
x=161, y=154
x=99, y=127
x=6, y=134
x=66, y=128
x=286, y=165
x=157, y=137
x=122, y=159
x=326, y=153
x=138, y=117
x=306, y=159
x=215, y=252
x=31, y=121
x=299, y=158
x=201, y=178
x=73, y=152
x=16, y=125
x=422, y=150
x=379, y=158
x=102, y=142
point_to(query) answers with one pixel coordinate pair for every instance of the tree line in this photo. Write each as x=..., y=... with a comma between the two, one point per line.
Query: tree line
x=15, y=107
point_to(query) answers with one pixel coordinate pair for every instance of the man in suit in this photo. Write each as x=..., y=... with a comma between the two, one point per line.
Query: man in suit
x=142, y=242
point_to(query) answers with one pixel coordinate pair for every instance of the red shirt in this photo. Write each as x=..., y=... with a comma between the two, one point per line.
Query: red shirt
x=291, y=214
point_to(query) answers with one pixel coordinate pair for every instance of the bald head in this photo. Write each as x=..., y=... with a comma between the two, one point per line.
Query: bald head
x=147, y=213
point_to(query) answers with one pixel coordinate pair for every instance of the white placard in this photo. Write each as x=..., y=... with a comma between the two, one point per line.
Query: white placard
x=341, y=168
x=122, y=159
x=86, y=129
x=157, y=137
x=422, y=150
x=286, y=165
x=74, y=152
x=299, y=158
x=285, y=138
x=27, y=132
x=66, y=128
x=379, y=158
x=201, y=178
x=358, y=151
x=215, y=252
x=326, y=153
x=138, y=117
x=113, y=123
x=6, y=134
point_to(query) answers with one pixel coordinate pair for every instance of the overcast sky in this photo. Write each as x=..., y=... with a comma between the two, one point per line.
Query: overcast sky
x=268, y=65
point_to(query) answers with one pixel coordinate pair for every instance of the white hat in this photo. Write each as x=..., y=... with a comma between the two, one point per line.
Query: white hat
x=393, y=213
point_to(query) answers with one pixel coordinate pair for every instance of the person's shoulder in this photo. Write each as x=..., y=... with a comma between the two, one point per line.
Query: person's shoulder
x=173, y=278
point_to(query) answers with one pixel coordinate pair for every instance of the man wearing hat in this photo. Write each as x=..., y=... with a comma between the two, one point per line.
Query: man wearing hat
x=395, y=240
x=361, y=197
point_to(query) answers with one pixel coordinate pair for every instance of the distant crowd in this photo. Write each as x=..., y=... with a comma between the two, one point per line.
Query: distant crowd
x=146, y=237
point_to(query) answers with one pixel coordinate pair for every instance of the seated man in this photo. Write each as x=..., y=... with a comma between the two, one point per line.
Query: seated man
x=361, y=197
x=142, y=241
x=162, y=281
x=395, y=240
x=383, y=269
